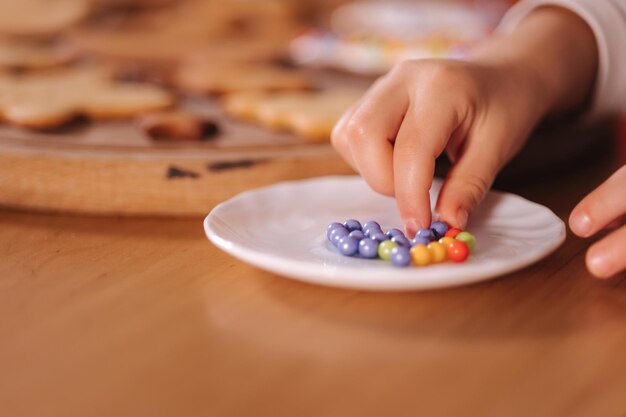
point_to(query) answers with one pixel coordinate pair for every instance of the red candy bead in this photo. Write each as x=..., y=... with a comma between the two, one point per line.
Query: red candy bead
x=453, y=232
x=458, y=251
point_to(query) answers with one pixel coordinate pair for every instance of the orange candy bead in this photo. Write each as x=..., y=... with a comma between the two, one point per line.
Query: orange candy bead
x=453, y=232
x=458, y=251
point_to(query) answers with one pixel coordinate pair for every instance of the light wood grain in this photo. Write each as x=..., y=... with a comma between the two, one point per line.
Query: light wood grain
x=131, y=317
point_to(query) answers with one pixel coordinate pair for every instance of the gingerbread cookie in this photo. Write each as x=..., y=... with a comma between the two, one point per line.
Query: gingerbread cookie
x=177, y=126
x=211, y=78
x=40, y=17
x=171, y=33
x=27, y=55
x=310, y=114
x=50, y=100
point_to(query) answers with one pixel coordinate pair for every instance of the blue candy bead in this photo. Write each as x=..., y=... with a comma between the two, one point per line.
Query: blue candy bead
x=439, y=229
x=371, y=224
x=357, y=234
x=352, y=225
x=426, y=233
x=348, y=246
x=379, y=237
x=336, y=234
x=400, y=256
x=394, y=232
x=420, y=241
x=368, y=248
x=332, y=227
x=372, y=231
x=401, y=240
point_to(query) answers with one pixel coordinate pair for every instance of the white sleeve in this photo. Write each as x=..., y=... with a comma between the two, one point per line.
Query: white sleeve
x=607, y=19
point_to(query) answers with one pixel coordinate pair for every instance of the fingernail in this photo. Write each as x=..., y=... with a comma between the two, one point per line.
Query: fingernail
x=599, y=264
x=461, y=218
x=581, y=224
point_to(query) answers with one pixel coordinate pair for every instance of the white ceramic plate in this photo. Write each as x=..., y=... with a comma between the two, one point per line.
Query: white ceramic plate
x=282, y=229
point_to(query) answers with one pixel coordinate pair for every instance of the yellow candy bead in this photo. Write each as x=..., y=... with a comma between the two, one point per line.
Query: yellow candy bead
x=438, y=251
x=446, y=241
x=420, y=255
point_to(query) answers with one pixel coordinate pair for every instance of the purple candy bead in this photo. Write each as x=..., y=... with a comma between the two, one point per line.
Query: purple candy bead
x=371, y=224
x=439, y=229
x=379, y=237
x=401, y=240
x=420, y=241
x=368, y=248
x=357, y=234
x=426, y=233
x=352, y=225
x=400, y=256
x=331, y=227
x=336, y=234
x=394, y=232
x=348, y=246
x=372, y=231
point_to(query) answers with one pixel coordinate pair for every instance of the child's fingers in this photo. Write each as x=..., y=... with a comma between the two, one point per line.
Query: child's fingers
x=369, y=132
x=337, y=136
x=603, y=205
x=421, y=138
x=468, y=182
x=606, y=257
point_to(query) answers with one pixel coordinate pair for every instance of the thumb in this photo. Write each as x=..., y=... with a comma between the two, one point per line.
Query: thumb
x=468, y=181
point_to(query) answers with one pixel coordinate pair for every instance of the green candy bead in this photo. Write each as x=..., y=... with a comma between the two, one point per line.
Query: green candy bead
x=384, y=249
x=468, y=238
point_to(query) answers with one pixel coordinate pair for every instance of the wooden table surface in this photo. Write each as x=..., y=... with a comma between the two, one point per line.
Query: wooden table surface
x=136, y=317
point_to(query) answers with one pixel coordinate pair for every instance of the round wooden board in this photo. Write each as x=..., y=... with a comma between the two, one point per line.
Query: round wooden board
x=112, y=168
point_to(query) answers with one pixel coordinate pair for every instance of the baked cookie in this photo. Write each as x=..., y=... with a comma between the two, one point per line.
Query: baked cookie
x=177, y=126
x=27, y=55
x=202, y=76
x=173, y=32
x=50, y=100
x=310, y=114
x=40, y=17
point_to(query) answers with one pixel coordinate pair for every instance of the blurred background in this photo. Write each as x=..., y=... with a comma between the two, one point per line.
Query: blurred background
x=237, y=74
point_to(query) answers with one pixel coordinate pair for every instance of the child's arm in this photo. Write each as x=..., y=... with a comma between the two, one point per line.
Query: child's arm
x=480, y=112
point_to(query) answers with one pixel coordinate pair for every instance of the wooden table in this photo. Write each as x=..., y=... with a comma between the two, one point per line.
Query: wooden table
x=127, y=317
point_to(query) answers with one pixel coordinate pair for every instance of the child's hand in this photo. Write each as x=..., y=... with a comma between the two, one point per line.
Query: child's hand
x=605, y=206
x=479, y=114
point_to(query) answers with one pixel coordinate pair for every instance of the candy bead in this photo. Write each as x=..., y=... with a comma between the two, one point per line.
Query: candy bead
x=348, y=246
x=332, y=227
x=384, y=249
x=371, y=224
x=453, y=232
x=421, y=255
x=400, y=256
x=394, y=232
x=420, y=241
x=352, y=225
x=357, y=234
x=401, y=240
x=372, y=231
x=336, y=234
x=468, y=238
x=458, y=251
x=426, y=233
x=446, y=241
x=379, y=237
x=439, y=229
x=368, y=248
x=438, y=251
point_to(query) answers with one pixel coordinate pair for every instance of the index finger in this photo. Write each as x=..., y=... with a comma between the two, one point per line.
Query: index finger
x=422, y=137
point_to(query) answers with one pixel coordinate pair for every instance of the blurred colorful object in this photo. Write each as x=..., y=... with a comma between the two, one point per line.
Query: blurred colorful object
x=370, y=36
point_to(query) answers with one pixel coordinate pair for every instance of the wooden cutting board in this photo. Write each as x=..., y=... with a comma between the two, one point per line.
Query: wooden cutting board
x=113, y=168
